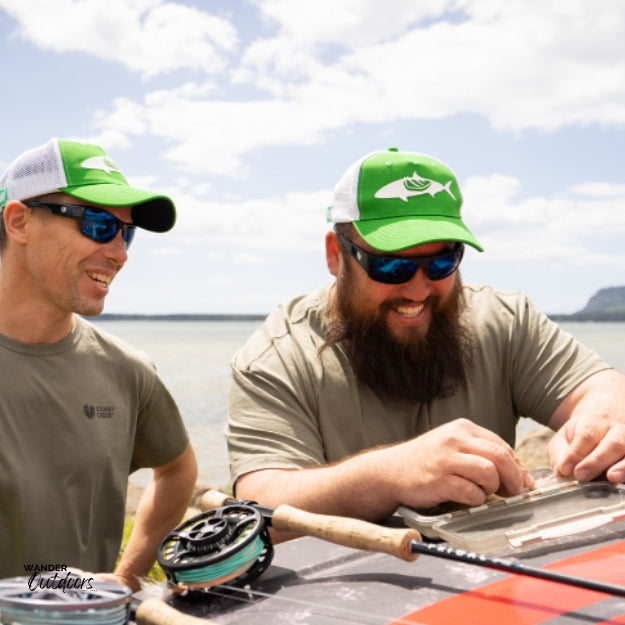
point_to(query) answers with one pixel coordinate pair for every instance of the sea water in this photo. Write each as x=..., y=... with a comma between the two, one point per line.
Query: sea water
x=193, y=359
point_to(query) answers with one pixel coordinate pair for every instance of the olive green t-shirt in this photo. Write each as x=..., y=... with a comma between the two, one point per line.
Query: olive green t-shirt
x=77, y=417
x=292, y=407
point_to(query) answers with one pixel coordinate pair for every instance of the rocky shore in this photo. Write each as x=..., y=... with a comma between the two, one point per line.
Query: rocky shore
x=532, y=448
x=135, y=492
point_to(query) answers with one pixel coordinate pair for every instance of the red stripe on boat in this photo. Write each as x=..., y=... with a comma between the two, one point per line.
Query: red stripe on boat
x=524, y=600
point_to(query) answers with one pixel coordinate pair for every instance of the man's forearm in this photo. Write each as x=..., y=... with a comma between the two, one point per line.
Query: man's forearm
x=458, y=461
x=354, y=487
x=161, y=508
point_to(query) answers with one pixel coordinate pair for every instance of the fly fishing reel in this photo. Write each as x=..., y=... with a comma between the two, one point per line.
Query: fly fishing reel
x=48, y=599
x=227, y=544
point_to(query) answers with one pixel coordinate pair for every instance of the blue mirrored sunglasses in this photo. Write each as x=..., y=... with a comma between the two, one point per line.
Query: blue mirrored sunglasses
x=400, y=269
x=95, y=224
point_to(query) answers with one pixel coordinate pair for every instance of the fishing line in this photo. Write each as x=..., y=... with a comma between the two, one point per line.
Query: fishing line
x=339, y=612
x=230, y=543
x=104, y=603
x=220, y=551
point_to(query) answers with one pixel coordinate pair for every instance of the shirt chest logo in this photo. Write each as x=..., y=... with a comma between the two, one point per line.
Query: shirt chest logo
x=98, y=412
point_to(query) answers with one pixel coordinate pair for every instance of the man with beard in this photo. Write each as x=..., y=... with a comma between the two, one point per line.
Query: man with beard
x=397, y=384
x=411, y=364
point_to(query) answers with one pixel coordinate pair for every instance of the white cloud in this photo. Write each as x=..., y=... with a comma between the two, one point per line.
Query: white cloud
x=307, y=30
x=521, y=64
x=599, y=190
x=573, y=226
x=165, y=251
x=245, y=258
x=566, y=228
x=147, y=36
x=522, y=67
x=295, y=221
x=348, y=23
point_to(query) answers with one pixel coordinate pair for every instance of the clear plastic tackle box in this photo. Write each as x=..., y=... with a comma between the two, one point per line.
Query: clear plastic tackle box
x=557, y=512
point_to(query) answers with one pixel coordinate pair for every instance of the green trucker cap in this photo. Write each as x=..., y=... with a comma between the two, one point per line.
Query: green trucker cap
x=398, y=200
x=85, y=172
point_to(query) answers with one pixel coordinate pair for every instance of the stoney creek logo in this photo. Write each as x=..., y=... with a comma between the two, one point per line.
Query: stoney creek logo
x=98, y=412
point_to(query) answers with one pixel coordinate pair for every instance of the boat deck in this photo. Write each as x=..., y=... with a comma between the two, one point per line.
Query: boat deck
x=315, y=582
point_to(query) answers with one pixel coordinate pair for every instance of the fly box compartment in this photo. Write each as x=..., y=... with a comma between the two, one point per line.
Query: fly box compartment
x=560, y=514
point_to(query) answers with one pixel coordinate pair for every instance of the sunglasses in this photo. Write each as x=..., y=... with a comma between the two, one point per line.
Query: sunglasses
x=95, y=224
x=399, y=269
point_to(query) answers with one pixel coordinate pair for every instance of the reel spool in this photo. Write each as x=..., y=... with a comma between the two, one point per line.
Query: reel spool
x=227, y=544
x=100, y=603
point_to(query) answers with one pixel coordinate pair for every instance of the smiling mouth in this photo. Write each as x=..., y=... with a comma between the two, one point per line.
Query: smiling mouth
x=101, y=278
x=414, y=310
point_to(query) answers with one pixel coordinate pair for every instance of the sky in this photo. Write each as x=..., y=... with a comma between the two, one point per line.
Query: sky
x=247, y=112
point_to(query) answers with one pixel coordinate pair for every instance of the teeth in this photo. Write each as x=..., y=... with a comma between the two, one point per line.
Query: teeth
x=410, y=311
x=98, y=277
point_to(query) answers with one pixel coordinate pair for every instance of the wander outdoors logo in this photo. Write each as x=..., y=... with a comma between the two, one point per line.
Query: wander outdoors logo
x=56, y=577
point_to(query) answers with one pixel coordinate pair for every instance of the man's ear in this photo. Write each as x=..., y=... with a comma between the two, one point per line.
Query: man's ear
x=333, y=253
x=16, y=216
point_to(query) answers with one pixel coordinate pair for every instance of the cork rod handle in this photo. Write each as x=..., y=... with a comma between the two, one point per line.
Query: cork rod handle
x=343, y=531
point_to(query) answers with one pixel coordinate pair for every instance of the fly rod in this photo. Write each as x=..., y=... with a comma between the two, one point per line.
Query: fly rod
x=402, y=543
x=439, y=550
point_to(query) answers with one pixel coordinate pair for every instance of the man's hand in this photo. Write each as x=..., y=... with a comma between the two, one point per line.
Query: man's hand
x=459, y=461
x=591, y=429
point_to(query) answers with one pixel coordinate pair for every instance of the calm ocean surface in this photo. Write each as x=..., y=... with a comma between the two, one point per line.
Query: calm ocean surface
x=193, y=358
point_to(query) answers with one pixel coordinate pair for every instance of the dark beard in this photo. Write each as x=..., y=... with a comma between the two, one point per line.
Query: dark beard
x=419, y=369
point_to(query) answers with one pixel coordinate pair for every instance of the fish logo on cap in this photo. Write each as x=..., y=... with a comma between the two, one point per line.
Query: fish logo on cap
x=409, y=186
x=103, y=163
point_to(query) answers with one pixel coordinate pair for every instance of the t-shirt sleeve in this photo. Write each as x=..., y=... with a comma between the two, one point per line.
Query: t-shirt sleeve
x=545, y=362
x=161, y=435
x=273, y=413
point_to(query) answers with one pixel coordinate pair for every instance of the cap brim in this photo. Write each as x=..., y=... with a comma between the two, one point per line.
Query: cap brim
x=392, y=235
x=149, y=210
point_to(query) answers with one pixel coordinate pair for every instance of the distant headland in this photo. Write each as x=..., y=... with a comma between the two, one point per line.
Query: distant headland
x=605, y=305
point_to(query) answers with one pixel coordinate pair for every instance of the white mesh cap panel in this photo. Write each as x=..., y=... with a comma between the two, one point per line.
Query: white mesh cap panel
x=35, y=172
x=345, y=201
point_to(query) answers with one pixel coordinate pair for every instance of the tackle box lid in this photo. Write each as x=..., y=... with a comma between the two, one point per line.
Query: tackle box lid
x=557, y=512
